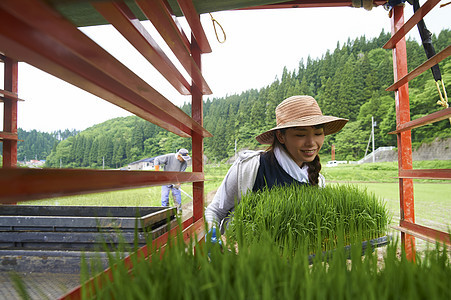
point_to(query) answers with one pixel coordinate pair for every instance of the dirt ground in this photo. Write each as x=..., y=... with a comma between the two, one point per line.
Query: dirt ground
x=187, y=208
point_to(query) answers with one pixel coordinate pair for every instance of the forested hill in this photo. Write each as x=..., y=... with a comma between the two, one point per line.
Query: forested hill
x=348, y=82
x=38, y=145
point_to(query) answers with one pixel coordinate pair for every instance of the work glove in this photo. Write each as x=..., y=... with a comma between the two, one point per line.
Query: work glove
x=211, y=235
x=212, y=240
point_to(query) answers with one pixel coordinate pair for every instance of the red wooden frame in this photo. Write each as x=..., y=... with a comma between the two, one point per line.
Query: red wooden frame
x=123, y=19
x=19, y=184
x=9, y=134
x=157, y=12
x=32, y=31
x=404, y=138
x=405, y=28
x=409, y=229
x=59, y=48
x=421, y=68
x=312, y=3
x=431, y=118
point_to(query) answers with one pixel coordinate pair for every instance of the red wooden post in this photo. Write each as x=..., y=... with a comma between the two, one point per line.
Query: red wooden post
x=407, y=212
x=10, y=113
x=197, y=139
x=333, y=152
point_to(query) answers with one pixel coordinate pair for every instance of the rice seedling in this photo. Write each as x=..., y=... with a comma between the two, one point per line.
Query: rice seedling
x=262, y=273
x=206, y=271
x=300, y=215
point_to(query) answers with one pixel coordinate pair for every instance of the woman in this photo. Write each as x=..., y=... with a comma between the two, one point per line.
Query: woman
x=292, y=158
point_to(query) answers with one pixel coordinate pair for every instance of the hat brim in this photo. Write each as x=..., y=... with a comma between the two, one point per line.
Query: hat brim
x=331, y=125
x=185, y=157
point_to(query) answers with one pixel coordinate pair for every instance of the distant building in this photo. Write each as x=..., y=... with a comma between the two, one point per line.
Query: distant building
x=35, y=163
x=143, y=164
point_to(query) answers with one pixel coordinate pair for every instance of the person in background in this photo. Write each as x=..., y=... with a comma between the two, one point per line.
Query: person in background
x=292, y=158
x=176, y=162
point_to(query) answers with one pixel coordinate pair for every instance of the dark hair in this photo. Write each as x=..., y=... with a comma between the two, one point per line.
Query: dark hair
x=314, y=167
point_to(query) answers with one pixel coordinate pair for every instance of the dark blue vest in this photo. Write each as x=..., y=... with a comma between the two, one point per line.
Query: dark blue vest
x=270, y=173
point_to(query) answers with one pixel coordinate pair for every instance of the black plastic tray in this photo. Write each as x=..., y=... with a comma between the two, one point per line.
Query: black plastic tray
x=81, y=227
x=82, y=218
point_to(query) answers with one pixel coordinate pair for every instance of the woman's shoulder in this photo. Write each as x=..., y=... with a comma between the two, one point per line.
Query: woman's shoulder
x=248, y=154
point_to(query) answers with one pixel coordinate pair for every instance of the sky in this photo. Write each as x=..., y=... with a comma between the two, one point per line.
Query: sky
x=259, y=44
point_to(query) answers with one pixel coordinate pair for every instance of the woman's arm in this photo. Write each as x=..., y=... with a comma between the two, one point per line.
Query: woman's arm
x=224, y=201
x=239, y=179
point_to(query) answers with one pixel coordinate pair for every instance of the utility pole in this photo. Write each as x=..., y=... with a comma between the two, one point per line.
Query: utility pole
x=372, y=134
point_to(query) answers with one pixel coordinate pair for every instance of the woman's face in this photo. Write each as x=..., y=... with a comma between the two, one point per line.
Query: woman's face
x=302, y=143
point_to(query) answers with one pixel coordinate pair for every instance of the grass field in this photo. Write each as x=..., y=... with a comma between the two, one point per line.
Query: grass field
x=432, y=198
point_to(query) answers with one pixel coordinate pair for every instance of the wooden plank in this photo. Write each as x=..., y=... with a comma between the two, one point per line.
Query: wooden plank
x=158, y=14
x=21, y=184
x=179, y=26
x=431, y=118
x=417, y=17
x=421, y=68
x=424, y=233
x=193, y=19
x=310, y=3
x=440, y=174
x=9, y=95
x=8, y=136
x=123, y=19
x=56, y=46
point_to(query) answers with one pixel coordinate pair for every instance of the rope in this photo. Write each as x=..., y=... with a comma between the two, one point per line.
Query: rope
x=443, y=98
x=213, y=20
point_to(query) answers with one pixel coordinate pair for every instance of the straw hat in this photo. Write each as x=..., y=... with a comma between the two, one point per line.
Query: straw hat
x=301, y=111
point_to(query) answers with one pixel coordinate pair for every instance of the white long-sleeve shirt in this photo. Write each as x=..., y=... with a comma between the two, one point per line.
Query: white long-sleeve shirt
x=239, y=180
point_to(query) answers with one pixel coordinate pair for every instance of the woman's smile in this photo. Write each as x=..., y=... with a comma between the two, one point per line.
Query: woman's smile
x=302, y=143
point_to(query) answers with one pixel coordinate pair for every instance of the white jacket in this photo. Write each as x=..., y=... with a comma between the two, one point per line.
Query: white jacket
x=239, y=180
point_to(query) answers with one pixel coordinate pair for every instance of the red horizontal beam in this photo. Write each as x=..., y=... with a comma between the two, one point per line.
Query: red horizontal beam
x=417, y=17
x=9, y=95
x=193, y=19
x=311, y=3
x=431, y=118
x=160, y=17
x=8, y=136
x=191, y=232
x=123, y=19
x=41, y=37
x=23, y=184
x=440, y=174
x=424, y=233
x=421, y=68
x=185, y=39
